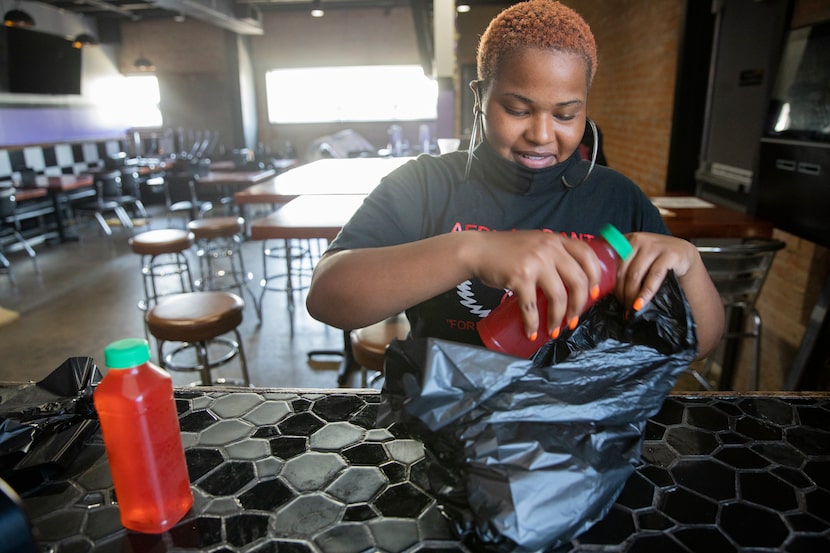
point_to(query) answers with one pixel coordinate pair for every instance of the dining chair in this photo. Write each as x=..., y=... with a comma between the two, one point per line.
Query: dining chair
x=738, y=268
x=10, y=231
x=181, y=198
x=127, y=194
x=107, y=199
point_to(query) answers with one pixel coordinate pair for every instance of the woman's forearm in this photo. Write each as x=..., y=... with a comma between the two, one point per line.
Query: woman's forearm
x=356, y=288
x=707, y=308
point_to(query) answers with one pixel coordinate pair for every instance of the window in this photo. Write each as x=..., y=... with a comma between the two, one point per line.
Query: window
x=357, y=93
x=133, y=100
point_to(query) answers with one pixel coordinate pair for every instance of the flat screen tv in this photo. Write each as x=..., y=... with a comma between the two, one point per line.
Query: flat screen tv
x=38, y=63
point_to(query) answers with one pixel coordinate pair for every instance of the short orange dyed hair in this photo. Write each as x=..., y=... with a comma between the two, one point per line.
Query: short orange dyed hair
x=535, y=24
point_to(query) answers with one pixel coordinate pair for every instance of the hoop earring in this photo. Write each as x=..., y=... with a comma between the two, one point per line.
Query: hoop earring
x=474, y=137
x=593, y=157
x=474, y=132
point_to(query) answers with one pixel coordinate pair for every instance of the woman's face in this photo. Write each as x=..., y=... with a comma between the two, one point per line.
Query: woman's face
x=534, y=110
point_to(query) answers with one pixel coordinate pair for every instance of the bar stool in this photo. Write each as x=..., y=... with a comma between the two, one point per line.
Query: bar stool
x=287, y=265
x=197, y=321
x=369, y=344
x=219, y=250
x=165, y=268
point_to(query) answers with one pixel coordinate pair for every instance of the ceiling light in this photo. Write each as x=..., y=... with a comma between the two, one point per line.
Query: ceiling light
x=317, y=9
x=463, y=8
x=143, y=64
x=18, y=18
x=84, y=39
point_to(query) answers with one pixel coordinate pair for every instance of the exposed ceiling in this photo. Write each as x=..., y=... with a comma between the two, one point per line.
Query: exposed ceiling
x=241, y=16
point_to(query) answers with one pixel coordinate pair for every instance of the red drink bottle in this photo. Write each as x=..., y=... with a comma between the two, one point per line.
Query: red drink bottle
x=143, y=440
x=502, y=330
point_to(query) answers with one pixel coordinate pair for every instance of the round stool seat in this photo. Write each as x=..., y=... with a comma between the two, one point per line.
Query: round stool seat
x=195, y=316
x=216, y=227
x=369, y=343
x=161, y=241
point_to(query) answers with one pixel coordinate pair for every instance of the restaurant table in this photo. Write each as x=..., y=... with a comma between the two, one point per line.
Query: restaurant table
x=348, y=176
x=23, y=194
x=307, y=218
x=313, y=471
x=229, y=165
x=234, y=178
x=690, y=217
x=57, y=187
x=316, y=216
x=221, y=185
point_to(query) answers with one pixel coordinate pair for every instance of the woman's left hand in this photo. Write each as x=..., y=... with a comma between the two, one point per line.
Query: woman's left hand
x=653, y=256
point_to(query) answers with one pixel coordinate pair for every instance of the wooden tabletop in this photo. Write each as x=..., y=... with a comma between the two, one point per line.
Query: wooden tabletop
x=235, y=178
x=707, y=220
x=316, y=216
x=323, y=215
x=61, y=182
x=23, y=194
x=230, y=165
x=347, y=176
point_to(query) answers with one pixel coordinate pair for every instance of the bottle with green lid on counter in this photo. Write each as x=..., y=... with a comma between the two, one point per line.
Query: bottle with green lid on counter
x=142, y=437
x=503, y=330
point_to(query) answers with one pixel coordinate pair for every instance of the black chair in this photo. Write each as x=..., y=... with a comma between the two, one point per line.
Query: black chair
x=180, y=196
x=108, y=199
x=10, y=231
x=131, y=192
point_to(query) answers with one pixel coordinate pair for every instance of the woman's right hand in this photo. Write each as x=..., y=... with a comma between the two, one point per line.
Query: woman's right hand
x=566, y=270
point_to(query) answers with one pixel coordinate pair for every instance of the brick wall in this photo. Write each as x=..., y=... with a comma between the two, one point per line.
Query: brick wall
x=633, y=92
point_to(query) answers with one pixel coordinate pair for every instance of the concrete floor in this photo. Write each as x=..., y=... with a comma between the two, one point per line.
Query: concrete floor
x=85, y=296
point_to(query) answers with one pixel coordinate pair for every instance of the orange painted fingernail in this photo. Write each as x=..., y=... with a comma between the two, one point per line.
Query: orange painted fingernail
x=595, y=291
x=638, y=304
x=533, y=337
x=554, y=333
x=573, y=322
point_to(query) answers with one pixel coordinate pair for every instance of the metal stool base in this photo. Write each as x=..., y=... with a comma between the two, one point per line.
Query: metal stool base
x=204, y=363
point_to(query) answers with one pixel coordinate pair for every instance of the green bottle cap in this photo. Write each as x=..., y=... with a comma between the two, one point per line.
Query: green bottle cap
x=617, y=240
x=126, y=353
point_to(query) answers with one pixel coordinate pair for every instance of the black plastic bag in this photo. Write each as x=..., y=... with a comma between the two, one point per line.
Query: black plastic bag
x=528, y=454
x=43, y=424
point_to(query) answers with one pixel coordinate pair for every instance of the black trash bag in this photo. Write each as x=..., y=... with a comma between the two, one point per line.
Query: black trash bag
x=43, y=424
x=527, y=454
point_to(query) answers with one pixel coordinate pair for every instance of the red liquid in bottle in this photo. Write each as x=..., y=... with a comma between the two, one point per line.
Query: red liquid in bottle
x=502, y=330
x=142, y=437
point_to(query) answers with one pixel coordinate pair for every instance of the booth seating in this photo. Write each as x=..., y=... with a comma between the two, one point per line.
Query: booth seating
x=189, y=330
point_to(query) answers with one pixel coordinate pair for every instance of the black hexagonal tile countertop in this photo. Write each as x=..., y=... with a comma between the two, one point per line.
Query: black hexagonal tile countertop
x=310, y=471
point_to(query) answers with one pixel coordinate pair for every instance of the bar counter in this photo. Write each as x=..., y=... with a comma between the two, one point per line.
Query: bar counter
x=309, y=470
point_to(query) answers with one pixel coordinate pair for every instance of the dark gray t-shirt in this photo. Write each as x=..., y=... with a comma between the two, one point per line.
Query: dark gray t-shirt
x=430, y=196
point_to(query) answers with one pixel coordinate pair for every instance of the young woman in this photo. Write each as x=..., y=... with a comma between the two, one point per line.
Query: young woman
x=443, y=237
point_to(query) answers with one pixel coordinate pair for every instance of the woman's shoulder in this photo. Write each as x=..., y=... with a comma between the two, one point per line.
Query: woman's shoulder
x=433, y=169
